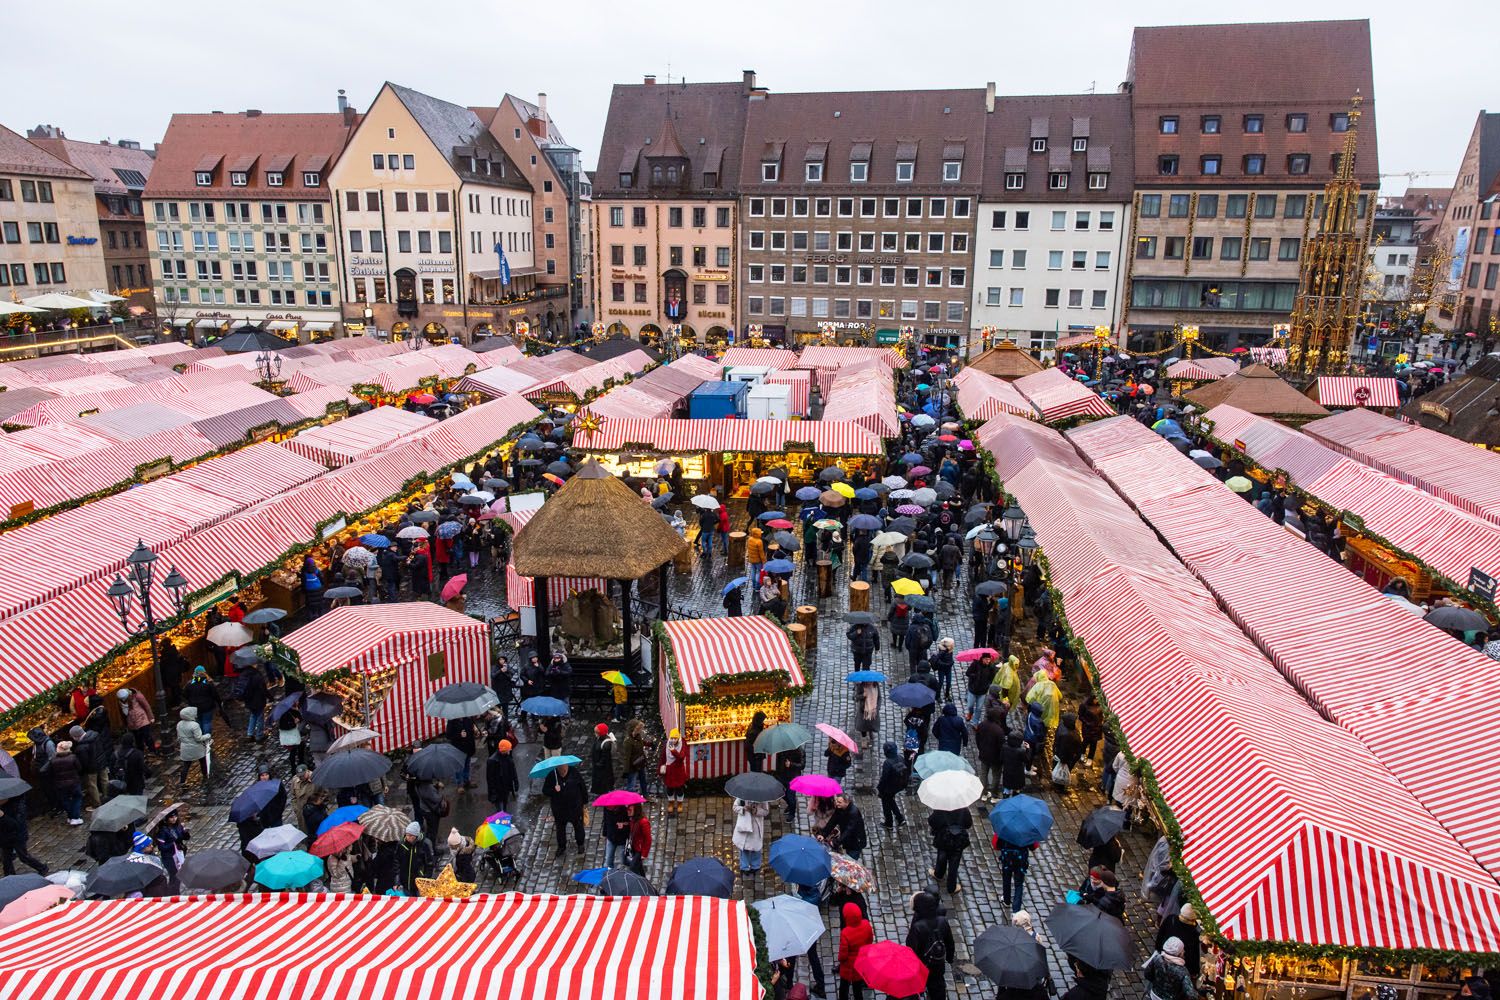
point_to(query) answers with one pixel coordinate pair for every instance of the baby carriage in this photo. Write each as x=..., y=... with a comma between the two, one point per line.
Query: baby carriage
x=498, y=861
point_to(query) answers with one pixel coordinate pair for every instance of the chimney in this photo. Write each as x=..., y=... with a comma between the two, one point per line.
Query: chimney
x=650, y=79
x=45, y=132
x=343, y=101
x=989, y=97
x=541, y=102
x=252, y=113
x=749, y=80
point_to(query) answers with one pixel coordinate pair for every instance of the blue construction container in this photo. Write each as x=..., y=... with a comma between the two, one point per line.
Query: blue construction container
x=718, y=399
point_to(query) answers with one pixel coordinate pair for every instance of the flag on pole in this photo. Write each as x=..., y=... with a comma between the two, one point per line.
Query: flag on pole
x=504, y=264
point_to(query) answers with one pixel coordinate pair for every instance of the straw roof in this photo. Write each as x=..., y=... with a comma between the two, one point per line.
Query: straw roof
x=1256, y=389
x=595, y=526
x=1467, y=408
x=1006, y=360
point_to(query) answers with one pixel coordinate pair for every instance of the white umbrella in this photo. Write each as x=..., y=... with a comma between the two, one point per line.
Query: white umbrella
x=705, y=502
x=792, y=926
x=950, y=790
x=1406, y=605
x=103, y=297
x=412, y=531
x=903, y=494
x=56, y=301
x=7, y=308
x=925, y=497
x=894, y=482
x=275, y=840
x=886, y=538
x=353, y=738
x=358, y=557
x=485, y=495
x=769, y=479
x=229, y=634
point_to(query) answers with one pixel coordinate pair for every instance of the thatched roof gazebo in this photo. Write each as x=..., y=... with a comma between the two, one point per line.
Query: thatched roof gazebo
x=1006, y=361
x=594, y=526
x=1259, y=390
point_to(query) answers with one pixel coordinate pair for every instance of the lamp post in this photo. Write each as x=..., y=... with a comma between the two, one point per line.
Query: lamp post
x=1027, y=546
x=268, y=363
x=133, y=589
x=1012, y=520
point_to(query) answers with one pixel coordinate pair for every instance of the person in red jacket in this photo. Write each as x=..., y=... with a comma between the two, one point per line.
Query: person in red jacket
x=674, y=770
x=856, y=933
x=640, y=838
x=724, y=528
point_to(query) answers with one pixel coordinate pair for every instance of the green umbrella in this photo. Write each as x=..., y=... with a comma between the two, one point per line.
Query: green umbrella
x=785, y=736
x=288, y=870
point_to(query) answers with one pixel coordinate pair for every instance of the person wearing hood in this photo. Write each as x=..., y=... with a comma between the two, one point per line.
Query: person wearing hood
x=893, y=779
x=949, y=730
x=301, y=789
x=138, y=717
x=602, y=760
x=193, y=744
x=1047, y=700
x=941, y=663
x=1091, y=721
x=1166, y=973
x=749, y=832
x=864, y=643
x=918, y=639
x=994, y=701
x=93, y=756
x=171, y=836
x=500, y=779
x=845, y=830
x=931, y=937
x=1067, y=748
x=853, y=936
x=1015, y=762
x=674, y=770
x=977, y=676
x=1183, y=925
x=734, y=602
x=132, y=761
x=950, y=838
x=14, y=836
x=633, y=756
x=67, y=782
x=755, y=552
x=201, y=694
x=989, y=740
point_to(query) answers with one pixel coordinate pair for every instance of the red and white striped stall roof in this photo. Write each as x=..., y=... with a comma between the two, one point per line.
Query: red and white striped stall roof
x=982, y=396
x=800, y=380
x=1347, y=648
x=578, y=383
x=1465, y=476
x=387, y=948
x=863, y=394
x=709, y=648
x=1450, y=540
x=1269, y=355
x=370, y=639
x=1350, y=390
x=1203, y=369
x=759, y=357
x=759, y=436
x=627, y=402
x=1058, y=397
x=819, y=356
x=342, y=441
x=1352, y=859
x=520, y=591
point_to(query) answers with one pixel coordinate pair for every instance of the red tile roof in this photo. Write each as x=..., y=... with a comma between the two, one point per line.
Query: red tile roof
x=230, y=141
x=709, y=119
x=100, y=160
x=1102, y=119
x=18, y=155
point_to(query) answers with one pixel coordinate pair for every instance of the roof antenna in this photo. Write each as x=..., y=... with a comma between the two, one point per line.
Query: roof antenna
x=1091, y=85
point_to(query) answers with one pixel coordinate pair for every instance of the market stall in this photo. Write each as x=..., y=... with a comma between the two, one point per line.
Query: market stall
x=864, y=394
x=981, y=396
x=385, y=661
x=265, y=946
x=363, y=434
x=715, y=674
x=1341, y=392
x=1058, y=397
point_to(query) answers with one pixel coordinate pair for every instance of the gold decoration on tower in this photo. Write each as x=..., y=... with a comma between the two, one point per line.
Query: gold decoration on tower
x=1332, y=270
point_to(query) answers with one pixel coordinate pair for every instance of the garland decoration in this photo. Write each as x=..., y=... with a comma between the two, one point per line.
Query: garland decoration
x=776, y=678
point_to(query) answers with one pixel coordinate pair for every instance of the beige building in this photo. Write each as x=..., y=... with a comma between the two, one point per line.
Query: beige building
x=49, y=229
x=1466, y=299
x=427, y=205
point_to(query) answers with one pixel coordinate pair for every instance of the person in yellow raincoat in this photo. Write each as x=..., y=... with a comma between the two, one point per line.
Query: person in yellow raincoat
x=1044, y=696
x=1008, y=680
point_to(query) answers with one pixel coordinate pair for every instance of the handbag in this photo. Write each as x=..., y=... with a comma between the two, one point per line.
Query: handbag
x=1062, y=775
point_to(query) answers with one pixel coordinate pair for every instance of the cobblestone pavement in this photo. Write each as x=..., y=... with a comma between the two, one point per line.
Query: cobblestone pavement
x=900, y=862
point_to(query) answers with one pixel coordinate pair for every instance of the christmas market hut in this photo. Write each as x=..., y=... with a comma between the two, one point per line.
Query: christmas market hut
x=1257, y=389
x=384, y=661
x=716, y=673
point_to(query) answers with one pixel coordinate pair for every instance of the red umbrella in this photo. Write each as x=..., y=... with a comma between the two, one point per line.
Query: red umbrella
x=454, y=586
x=974, y=654
x=423, y=398
x=780, y=524
x=336, y=839
x=947, y=438
x=891, y=968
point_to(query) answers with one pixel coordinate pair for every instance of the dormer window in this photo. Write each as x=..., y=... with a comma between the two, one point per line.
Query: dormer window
x=770, y=172
x=1057, y=181
x=710, y=178
x=859, y=172
x=905, y=171
x=625, y=178
x=1080, y=145
x=814, y=173
x=238, y=178
x=204, y=178
x=311, y=178
x=273, y=178
x=1015, y=182
x=1038, y=145
x=1098, y=181
x=952, y=169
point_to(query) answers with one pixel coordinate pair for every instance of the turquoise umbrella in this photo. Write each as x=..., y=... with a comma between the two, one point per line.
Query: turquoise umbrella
x=547, y=764
x=934, y=761
x=288, y=870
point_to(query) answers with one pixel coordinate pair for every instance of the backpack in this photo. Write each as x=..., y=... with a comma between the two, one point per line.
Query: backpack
x=921, y=636
x=935, y=952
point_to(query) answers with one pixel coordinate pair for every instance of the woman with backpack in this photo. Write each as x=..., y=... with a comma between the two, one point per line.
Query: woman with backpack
x=950, y=838
x=931, y=938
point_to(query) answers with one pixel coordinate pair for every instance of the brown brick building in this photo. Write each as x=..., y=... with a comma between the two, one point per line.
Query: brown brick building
x=1470, y=232
x=1237, y=129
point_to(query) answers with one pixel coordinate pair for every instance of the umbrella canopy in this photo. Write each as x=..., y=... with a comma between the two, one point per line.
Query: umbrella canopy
x=384, y=824
x=866, y=493
x=548, y=764
x=336, y=839
x=850, y=873
x=1021, y=820
x=423, y=517
x=771, y=515
x=229, y=634
x=349, y=768
x=11, y=787
x=838, y=736
x=787, y=540
x=761, y=487
x=778, y=566
x=13, y=887
x=1010, y=957
x=734, y=584
x=1091, y=936
x=449, y=529
x=342, y=593
x=1239, y=484
x=265, y=616
x=919, y=470
x=361, y=558
x=925, y=497
x=119, y=877
x=891, y=968
x=896, y=482
x=454, y=586
x=936, y=761
x=950, y=790
x=991, y=588
x=1101, y=826
x=858, y=618
x=245, y=656
x=1204, y=459
x=911, y=695
x=34, y=902
x=491, y=833
x=909, y=509
x=754, y=786
x=977, y=653
x=701, y=877
x=816, y=785
x=784, y=736
x=864, y=522
x=353, y=738
x=921, y=602
x=340, y=816
x=777, y=521
x=624, y=882
x=916, y=560
x=371, y=541
x=275, y=840
x=460, y=701
x=832, y=474
x=888, y=538
x=791, y=925
x=289, y=870
x=906, y=586
x=618, y=798
x=551, y=708
x=827, y=524
x=832, y=498
x=412, y=531
x=249, y=803
x=844, y=490
x=910, y=458
x=437, y=760
x=807, y=493
x=800, y=860
x=865, y=677
x=119, y=813
x=1457, y=619
x=705, y=502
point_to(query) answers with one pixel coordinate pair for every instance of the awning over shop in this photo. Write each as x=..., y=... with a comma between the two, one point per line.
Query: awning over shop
x=1346, y=390
x=755, y=436
x=277, y=325
x=709, y=648
x=819, y=356
x=758, y=357
x=210, y=324
x=1058, y=397
x=509, y=945
x=317, y=326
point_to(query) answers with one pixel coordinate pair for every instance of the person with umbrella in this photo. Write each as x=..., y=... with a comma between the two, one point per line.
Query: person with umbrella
x=950, y=838
x=845, y=830
x=171, y=837
x=616, y=834
x=756, y=758
x=749, y=832
x=855, y=935
x=414, y=856
x=567, y=795
x=1102, y=891
x=789, y=764
x=673, y=768
x=552, y=730
x=460, y=733
x=864, y=642
x=931, y=937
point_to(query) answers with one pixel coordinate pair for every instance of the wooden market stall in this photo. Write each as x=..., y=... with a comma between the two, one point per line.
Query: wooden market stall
x=715, y=674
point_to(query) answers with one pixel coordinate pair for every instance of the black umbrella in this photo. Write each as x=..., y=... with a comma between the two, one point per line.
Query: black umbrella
x=322, y=707
x=1101, y=826
x=921, y=602
x=529, y=462
x=761, y=489
x=754, y=786
x=1010, y=957
x=423, y=517
x=1092, y=936
x=11, y=788
x=779, y=473
x=439, y=760
x=249, y=803
x=121, y=876
x=560, y=469
x=858, y=618
x=495, y=484
x=787, y=540
x=701, y=877
x=911, y=695
x=945, y=490
x=245, y=656
x=662, y=501
x=284, y=706
x=263, y=616
x=990, y=588
x=119, y=813
x=832, y=474
x=13, y=887
x=470, y=500
x=975, y=516
x=529, y=442
x=213, y=870
x=550, y=445
x=916, y=560
x=349, y=768
x=462, y=700
x=624, y=882
x=1457, y=619
x=903, y=525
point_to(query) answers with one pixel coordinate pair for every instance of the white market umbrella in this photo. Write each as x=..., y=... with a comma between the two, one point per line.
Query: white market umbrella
x=11, y=308
x=103, y=297
x=275, y=840
x=950, y=790
x=229, y=634
x=353, y=738
x=56, y=301
x=705, y=502
x=412, y=531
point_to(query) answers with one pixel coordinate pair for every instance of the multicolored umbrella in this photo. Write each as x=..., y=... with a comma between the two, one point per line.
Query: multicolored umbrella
x=615, y=677
x=384, y=824
x=491, y=833
x=341, y=815
x=909, y=509
x=850, y=873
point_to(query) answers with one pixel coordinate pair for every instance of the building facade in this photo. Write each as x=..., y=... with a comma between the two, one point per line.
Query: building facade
x=1054, y=218
x=49, y=229
x=120, y=171
x=858, y=211
x=1393, y=255
x=1469, y=238
x=241, y=223
x=433, y=223
x=665, y=209
x=1237, y=130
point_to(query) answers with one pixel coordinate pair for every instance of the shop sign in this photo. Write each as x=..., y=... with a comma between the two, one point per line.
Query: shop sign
x=367, y=265
x=1482, y=583
x=848, y=258
x=711, y=276
x=437, y=665
x=23, y=508
x=210, y=315
x=626, y=276
x=739, y=688
x=334, y=527
x=263, y=432
x=627, y=312
x=1239, y=445
x=714, y=314
x=82, y=241
x=1435, y=410
x=227, y=590
x=1361, y=395
x=148, y=471
x=517, y=311
x=291, y=317
x=353, y=327
x=434, y=265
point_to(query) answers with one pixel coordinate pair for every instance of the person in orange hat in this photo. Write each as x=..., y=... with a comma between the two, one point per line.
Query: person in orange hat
x=500, y=779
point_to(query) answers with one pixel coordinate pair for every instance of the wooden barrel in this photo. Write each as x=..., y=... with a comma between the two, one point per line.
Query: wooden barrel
x=825, y=578
x=807, y=617
x=736, y=550
x=798, y=633
x=859, y=595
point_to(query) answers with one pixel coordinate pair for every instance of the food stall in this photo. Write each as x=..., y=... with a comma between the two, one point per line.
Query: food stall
x=715, y=674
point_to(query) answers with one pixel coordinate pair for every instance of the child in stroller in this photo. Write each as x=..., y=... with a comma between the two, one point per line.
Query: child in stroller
x=498, y=860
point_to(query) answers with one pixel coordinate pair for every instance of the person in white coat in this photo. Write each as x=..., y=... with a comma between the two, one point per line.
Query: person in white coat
x=750, y=832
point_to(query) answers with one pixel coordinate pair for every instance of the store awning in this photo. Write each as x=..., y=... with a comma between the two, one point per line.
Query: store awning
x=493, y=273
x=281, y=324
x=317, y=326
x=210, y=324
x=1203, y=369
x=181, y=322
x=704, y=649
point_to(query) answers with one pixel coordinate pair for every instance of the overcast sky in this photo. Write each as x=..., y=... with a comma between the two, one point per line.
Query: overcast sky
x=97, y=70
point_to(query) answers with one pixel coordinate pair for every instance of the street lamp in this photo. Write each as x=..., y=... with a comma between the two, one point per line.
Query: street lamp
x=1027, y=546
x=268, y=363
x=1012, y=521
x=134, y=590
x=369, y=321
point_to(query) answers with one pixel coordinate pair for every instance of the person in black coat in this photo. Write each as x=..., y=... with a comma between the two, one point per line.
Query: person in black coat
x=864, y=641
x=892, y=780
x=1015, y=758
x=602, y=760
x=789, y=765
x=950, y=838
x=461, y=733
x=389, y=561
x=980, y=610
x=414, y=859
x=560, y=677
x=14, y=836
x=949, y=731
x=990, y=737
x=564, y=788
x=1089, y=983
x=756, y=759
x=254, y=696
x=846, y=831
x=1102, y=891
x=500, y=779
x=132, y=761
x=1183, y=925
x=931, y=938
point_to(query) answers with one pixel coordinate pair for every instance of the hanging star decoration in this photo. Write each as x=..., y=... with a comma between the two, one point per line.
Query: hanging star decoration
x=587, y=424
x=445, y=886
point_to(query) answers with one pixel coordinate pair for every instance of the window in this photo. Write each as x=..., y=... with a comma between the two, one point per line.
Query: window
x=814, y=173
x=640, y=291
x=960, y=208
x=1265, y=206
x=445, y=241
x=1177, y=207
x=1296, y=206
x=952, y=169
x=867, y=207
x=721, y=257
x=913, y=208
x=957, y=277
x=913, y=242
x=1080, y=260
x=997, y=258
x=1017, y=296
x=1101, y=260
x=617, y=217
x=757, y=207
x=1209, y=165
x=1173, y=248
x=937, y=208
x=1099, y=299
x=1075, y=298
x=721, y=218
x=1053, y=297
x=859, y=171
x=1059, y=221
x=1298, y=163
x=700, y=256
x=1474, y=270
x=1166, y=165
x=799, y=208
x=1491, y=275
x=202, y=178
x=1150, y=205
x=778, y=208
x=932, y=311
x=908, y=308
x=625, y=178
x=674, y=256
x=823, y=207
x=7, y=193
x=1057, y=181
x=757, y=273
x=424, y=241
x=1015, y=182
x=638, y=217
x=1098, y=181
x=843, y=274
x=377, y=241
x=1054, y=260
x=799, y=241
x=1296, y=123
x=1023, y=220
x=312, y=243
x=1167, y=124
x=1203, y=248
x=403, y=202
x=1080, y=145
x=992, y=296
x=997, y=220
x=638, y=256
x=778, y=273
x=1260, y=248
x=866, y=242
x=674, y=217
x=274, y=178
x=1235, y=206
x=777, y=306
x=887, y=275
x=1230, y=248
x=1208, y=206
x=314, y=212
x=757, y=305
x=887, y=242
x=1255, y=164
x=1288, y=249
x=1338, y=121
x=1255, y=124
x=409, y=162
x=905, y=170
x=1210, y=124
x=1018, y=260
x=770, y=171
x=1082, y=220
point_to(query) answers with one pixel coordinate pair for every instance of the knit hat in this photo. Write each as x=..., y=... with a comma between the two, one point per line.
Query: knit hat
x=455, y=839
x=140, y=842
x=123, y=694
x=1172, y=946
x=65, y=747
x=77, y=733
x=601, y=730
x=414, y=829
x=1187, y=914
x=200, y=671
x=504, y=746
x=674, y=734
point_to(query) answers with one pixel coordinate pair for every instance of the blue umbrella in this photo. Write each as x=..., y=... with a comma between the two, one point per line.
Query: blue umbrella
x=864, y=522
x=912, y=695
x=701, y=877
x=866, y=493
x=1168, y=428
x=912, y=458
x=770, y=515
x=779, y=566
x=288, y=870
x=547, y=764
x=542, y=705
x=249, y=803
x=1021, y=820
x=449, y=528
x=808, y=493
x=341, y=815
x=735, y=584
x=285, y=705
x=375, y=541
x=591, y=876
x=865, y=676
x=801, y=860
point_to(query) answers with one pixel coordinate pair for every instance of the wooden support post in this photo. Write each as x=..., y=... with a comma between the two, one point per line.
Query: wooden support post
x=859, y=595
x=807, y=617
x=682, y=562
x=799, y=636
x=736, y=550
x=825, y=578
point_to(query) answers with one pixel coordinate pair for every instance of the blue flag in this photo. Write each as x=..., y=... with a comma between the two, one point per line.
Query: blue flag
x=504, y=264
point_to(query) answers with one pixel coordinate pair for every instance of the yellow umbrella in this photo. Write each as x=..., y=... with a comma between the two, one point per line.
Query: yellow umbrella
x=906, y=587
x=845, y=489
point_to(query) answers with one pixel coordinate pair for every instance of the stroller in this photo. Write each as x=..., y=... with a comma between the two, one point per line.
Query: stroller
x=498, y=861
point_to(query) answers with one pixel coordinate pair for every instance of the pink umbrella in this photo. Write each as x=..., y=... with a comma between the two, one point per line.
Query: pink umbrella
x=966, y=445
x=454, y=587
x=838, y=736
x=909, y=508
x=29, y=904
x=920, y=470
x=818, y=785
x=487, y=515
x=618, y=797
x=974, y=654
